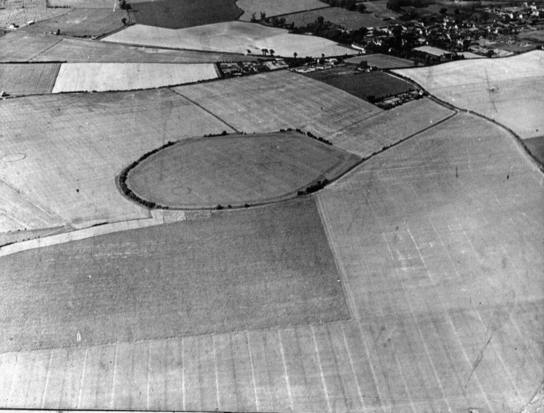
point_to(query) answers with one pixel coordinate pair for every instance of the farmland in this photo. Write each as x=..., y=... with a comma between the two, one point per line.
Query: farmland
x=381, y=61
x=232, y=37
x=536, y=147
x=177, y=14
x=81, y=23
x=388, y=128
x=101, y=77
x=21, y=16
x=506, y=90
x=369, y=86
x=236, y=170
x=276, y=7
x=27, y=79
x=350, y=20
x=430, y=240
x=281, y=251
x=21, y=46
x=76, y=144
x=279, y=100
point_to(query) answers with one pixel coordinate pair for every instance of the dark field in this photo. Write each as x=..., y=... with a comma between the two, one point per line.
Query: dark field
x=252, y=269
x=178, y=14
x=235, y=170
x=26, y=79
x=536, y=147
x=368, y=86
x=381, y=61
x=81, y=23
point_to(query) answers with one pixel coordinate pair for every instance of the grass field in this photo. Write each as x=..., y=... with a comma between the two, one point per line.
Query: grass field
x=506, y=90
x=369, y=86
x=536, y=147
x=381, y=61
x=350, y=20
x=536, y=35
x=71, y=147
x=27, y=79
x=276, y=7
x=389, y=127
x=271, y=267
x=21, y=46
x=177, y=14
x=81, y=23
x=235, y=170
x=100, y=77
x=233, y=37
x=279, y=100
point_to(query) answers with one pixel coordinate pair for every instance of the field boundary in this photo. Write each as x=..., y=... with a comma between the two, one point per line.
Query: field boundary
x=519, y=141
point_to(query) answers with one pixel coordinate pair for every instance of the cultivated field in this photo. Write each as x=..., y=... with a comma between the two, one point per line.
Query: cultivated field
x=81, y=22
x=276, y=7
x=176, y=14
x=70, y=148
x=235, y=170
x=381, y=61
x=369, y=86
x=536, y=147
x=506, y=90
x=28, y=79
x=83, y=50
x=233, y=37
x=439, y=243
x=21, y=16
x=390, y=127
x=350, y=20
x=270, y=267
x=100, y=77
x=21, y=46
x=447, y=319
x=278, y=100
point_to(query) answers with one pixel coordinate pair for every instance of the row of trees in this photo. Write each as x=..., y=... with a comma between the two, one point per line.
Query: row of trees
x=347, y=4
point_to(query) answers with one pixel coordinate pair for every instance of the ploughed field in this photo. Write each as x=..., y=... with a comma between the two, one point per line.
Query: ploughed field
x=368, y=86
x=235, y=170
x=508, y=90
x=257, y=268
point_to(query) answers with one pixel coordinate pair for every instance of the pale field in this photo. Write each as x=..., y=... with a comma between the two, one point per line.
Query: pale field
x=275, y=7
x=101, y=77
x=507, y=90
x=21, y=46
x=278, y=100
x=28, y=79
x=70, y=148
x=389, y=127
x=233, y=37
x=441, y=275
x=235, y=170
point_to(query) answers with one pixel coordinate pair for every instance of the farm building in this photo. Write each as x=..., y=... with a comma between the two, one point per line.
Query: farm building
x=432, y=55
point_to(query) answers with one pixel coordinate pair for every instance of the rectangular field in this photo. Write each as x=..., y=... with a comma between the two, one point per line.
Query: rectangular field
x=272, y=101
x=75, y=145
x=28, y=79
x=350, y=20
x=369, y=86
x=100, y=77
x=256, y=268
x=276, y=7
x=381, y=61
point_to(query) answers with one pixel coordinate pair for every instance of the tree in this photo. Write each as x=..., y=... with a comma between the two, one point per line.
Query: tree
x=263, y=16
x=271, y=51
x=253, y=17
x=265, y=52
x=295, y=54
